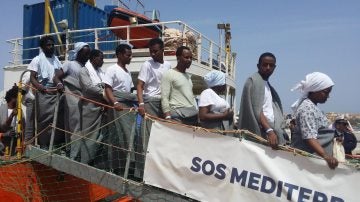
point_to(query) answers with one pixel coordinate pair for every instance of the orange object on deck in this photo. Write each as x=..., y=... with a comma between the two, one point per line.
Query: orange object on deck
x=32, y=181
x=138, y=36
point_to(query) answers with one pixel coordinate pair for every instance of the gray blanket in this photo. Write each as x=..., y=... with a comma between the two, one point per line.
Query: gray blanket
x=3, y=118
x=252, y=101
x=45, y=106
x=29, y=121
x=121, y=133
x=153, y=106
x=325, y=138
x=73, y=114
x=93, y=117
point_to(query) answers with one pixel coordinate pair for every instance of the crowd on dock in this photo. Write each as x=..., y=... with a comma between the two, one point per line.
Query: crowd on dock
x=79, y=97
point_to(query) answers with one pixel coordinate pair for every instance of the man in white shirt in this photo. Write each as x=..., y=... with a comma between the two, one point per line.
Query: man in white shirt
x=42, y=69
x=117, y=77
x=28, y=101
x=149, y=79
x=118, y=86
x=260, y=109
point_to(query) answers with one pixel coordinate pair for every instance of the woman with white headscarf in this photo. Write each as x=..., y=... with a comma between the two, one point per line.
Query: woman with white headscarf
x=213, y=109
x=311, y=131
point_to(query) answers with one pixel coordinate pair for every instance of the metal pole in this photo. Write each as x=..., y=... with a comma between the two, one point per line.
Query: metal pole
x=54, y=122
x=96, y=39
x=47, y=18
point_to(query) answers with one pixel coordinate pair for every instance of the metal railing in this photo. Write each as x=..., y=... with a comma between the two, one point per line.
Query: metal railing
x=173, y=33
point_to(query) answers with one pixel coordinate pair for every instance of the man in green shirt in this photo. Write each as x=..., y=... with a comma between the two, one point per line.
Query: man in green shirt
x=177, y=98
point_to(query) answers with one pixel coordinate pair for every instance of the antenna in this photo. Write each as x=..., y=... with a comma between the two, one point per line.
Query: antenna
x=140, y=3
x=123, y=4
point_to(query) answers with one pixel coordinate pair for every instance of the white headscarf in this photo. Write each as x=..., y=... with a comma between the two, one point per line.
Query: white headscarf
x=214, y=78
x=313, y=82
x=77, y=47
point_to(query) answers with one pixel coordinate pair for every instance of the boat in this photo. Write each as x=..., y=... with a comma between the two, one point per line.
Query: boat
x=34, y=174
x=139, y=35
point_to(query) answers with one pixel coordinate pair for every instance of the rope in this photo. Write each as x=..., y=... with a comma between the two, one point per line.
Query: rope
x=256, y=137
x=78, y=96
x=63, y=146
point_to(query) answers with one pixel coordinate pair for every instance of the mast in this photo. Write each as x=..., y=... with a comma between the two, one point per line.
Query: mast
x=47, y=17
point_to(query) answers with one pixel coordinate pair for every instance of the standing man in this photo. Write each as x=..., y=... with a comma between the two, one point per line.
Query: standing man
x=69, y=74
x=90, y=79
x=260, y=109
x=118, y=86
x=149, y=79
x=42, y=69
x=118, y=79
x=177, y=98
x=149, y=93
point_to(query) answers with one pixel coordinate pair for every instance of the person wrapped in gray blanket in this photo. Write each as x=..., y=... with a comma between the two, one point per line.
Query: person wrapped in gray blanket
x=93, y=115
x=260, y=109
x=69, y=74
x=42, y=69
x=312, y=132
x=118, y=87
x=177, y=98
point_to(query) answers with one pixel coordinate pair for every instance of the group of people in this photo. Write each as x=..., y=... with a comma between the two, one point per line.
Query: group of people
x=75, y=96
x=261, y=112
x=163, y=92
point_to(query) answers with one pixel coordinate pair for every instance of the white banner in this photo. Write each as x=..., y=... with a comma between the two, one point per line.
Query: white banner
x=212, y=167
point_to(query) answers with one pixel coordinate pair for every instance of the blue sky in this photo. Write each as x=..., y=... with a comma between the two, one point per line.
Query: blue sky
x=305, y=36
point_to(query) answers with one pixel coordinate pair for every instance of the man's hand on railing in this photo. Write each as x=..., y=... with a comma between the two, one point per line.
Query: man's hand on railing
x=141, y=109
x=60, y=88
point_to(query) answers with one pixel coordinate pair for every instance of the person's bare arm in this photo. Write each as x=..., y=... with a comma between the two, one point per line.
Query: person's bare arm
x=206, y=115
x=139, y=91
x=271, y=135
x=110, y=96
x=315, y=145
x=59, y=75
x=35, y=82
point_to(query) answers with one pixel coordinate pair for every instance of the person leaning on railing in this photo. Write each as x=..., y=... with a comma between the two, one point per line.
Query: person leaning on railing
x=213, y=109
x=42, y=68
x=149, y=79
x=261, y=109
x=345, y=134
x=177, y=98
x=312, y=133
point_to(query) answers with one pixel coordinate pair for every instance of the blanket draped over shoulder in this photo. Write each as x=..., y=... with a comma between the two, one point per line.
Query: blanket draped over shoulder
x=93, y=118
x=325, y=138
x=252, y=101
x=121, y=133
